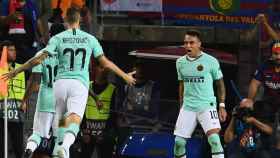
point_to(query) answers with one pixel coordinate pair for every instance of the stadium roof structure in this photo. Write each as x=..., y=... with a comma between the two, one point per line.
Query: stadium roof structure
x=174, y=52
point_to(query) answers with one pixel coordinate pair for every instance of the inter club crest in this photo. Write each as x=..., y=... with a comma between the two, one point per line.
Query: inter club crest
x=224, y=7
x=199, y=67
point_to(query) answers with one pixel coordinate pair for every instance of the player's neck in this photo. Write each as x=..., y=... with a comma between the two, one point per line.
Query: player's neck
x=73, y=26
x=196, y=55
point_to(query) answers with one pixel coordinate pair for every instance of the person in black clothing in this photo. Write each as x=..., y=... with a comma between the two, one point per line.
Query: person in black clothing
x=138, y=105
x=249, y=132
x=267, y=75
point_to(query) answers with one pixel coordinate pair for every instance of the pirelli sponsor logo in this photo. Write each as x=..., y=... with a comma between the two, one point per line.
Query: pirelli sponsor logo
x=194, y=79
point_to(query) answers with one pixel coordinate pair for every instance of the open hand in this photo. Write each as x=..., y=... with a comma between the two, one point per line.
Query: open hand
x=222, y=114
x=23, y=106
x=99, y=104
x=250, y=120
x=8, y=75
x=130, y=80
x=261, y=18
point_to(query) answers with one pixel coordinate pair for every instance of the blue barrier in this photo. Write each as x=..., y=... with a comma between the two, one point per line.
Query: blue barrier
x=158, y=145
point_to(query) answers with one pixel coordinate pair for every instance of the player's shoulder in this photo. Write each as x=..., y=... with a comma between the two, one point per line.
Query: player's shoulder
x=267, y=64
x=181, y=59
x=61, y=34
x=209, y=58
x=56, y=38
x=83, y=33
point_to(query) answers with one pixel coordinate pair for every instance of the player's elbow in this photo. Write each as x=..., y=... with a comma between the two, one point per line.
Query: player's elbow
x=108, y=65
x=35, y=62
x=38, y=59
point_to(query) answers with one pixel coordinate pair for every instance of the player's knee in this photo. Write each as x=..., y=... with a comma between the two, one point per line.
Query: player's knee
x=180, y=146
x=73, y=118
x=213, y=131
x=215, y=143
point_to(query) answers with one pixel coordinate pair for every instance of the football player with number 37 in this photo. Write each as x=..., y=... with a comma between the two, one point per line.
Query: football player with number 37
x=74, y=49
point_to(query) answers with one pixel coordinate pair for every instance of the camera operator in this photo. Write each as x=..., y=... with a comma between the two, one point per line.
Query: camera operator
x=249, y=131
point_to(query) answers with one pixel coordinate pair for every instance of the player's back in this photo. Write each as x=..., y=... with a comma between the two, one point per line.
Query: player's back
x=74, y=49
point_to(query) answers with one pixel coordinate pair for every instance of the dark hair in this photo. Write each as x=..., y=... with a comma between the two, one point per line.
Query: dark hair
x=56, y=28
x=6, y=43
x=56, y=16
x=72, y=15
x=139, y=64
x=195, y=33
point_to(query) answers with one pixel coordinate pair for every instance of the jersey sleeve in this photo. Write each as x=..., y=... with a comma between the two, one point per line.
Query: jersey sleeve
x=216, y=70
x=37, y=69
x=96, y=47
x=178, y=70
x=258, y=75
x=52, y=45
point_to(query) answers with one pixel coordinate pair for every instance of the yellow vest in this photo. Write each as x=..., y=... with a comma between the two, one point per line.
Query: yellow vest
x=92, y=112
x=16, y=86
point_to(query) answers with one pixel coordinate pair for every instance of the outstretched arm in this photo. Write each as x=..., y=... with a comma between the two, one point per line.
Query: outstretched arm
x=29, y=64
x=272, y=33
x=106, y=63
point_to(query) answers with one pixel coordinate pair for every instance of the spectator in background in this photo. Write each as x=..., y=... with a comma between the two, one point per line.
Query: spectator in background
x=65, y=4
x=248, y=134
x=268, y=76
x=274, y=35
x=86, y=20
x=23, y=19
x=56, y=16
x=15, y=95
x=59, y=8
x=97, y=128
x=4, y=28
x=140, y=105
x=44, y=11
